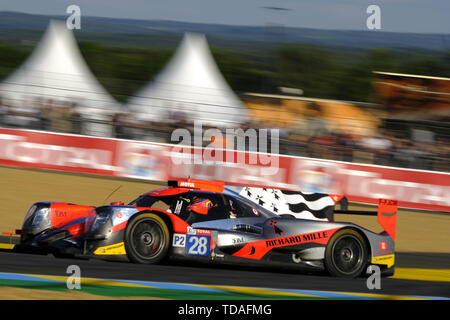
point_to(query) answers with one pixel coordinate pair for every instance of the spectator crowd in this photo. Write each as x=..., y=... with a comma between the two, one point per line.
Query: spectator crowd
x=418, y=148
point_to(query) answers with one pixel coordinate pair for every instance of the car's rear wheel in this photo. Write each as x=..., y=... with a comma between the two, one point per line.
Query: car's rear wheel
x=346, y=254
x=147, y=239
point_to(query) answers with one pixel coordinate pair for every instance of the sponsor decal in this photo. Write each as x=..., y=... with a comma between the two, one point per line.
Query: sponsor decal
x=119, y=215
x=198, y=245
x=389, y=202
x=190, y=230
x=203, y=232
x=383, y=245
x=60, y=214
x=118, y=248
x=301, y=238
x=387, y=260
x=258, y=249
x=179, y=240
x=187, y=184
x=255, y=212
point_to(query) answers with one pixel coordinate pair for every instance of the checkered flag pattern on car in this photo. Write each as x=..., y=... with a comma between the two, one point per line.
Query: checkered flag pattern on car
x=303, y=205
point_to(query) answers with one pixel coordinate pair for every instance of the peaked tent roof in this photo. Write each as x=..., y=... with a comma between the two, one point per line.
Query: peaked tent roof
x=190, y=83
x=56, y=70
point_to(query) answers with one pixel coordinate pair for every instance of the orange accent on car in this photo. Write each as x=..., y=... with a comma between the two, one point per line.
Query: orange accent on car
x=212, y=186
x=167, y=192
x=63, y=213
x=213, y=244
x=76, y=230
x=387, y=216
x=336, y=197
x=178, y=224
x=258, y=249
x=119, y=226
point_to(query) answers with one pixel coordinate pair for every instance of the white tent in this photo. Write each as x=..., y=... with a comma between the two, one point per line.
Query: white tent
x=190, y=84
x=56, y=70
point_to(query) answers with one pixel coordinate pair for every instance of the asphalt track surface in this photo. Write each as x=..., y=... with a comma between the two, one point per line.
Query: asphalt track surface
x=181, y=272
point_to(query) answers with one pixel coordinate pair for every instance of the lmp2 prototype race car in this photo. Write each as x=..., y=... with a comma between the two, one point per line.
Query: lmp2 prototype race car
x=208, y=221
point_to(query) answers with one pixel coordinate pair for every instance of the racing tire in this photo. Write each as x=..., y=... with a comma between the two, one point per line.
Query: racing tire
x=147, y=239
x=346, y=254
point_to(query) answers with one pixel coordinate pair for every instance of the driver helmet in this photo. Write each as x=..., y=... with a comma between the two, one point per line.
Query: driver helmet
x=200, y=206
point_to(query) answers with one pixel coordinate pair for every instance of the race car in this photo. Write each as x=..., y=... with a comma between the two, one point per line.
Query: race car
x=207, y=221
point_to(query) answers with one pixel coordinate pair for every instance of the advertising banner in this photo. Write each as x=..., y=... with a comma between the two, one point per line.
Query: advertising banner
x=366, y=183
x=152, y=161
x=34, y=149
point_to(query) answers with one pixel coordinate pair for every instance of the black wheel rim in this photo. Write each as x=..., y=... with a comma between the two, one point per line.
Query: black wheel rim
x=347, y=254
x=147, y=238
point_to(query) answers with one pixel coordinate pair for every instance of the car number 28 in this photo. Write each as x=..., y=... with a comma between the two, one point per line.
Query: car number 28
x=197, y=245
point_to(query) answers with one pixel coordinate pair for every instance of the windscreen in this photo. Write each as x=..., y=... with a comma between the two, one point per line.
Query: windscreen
x=158, y=202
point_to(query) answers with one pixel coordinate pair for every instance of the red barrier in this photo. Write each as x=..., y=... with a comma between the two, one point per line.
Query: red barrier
x=34, y=149
x=144, y=160
x=366, y=183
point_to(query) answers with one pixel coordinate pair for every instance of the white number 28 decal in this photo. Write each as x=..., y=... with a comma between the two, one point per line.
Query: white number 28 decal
x=197, y=245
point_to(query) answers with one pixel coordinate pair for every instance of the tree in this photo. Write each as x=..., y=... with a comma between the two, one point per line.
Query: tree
x=309, y=68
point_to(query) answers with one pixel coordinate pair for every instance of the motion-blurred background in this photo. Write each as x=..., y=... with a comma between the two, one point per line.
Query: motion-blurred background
x=358, y=96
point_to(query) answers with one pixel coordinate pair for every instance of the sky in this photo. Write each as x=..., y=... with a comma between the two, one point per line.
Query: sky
x=422, y=16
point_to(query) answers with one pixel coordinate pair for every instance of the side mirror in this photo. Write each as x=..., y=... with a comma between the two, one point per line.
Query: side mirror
x=118, y=203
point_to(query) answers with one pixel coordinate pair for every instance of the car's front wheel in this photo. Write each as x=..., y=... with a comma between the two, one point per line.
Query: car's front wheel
x=346, y=254
x=147, y=239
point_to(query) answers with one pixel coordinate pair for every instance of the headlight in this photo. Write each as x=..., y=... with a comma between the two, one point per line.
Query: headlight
x=41, y=220
x=30, y=212
x=89, y=220
x=37, y=219
x=99, y=223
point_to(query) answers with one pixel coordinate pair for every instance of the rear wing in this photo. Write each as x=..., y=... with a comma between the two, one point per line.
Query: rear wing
x=386, y=214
